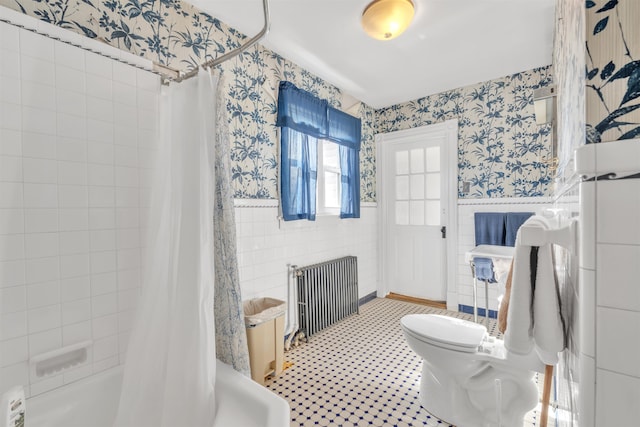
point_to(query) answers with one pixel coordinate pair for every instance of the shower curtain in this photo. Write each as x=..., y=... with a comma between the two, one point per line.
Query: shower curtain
x=231, y=336
x=169, y=373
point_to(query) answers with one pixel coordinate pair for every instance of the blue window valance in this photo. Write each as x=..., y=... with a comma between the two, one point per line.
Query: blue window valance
x=343, y=129
x=301, y=111
x=305, y=119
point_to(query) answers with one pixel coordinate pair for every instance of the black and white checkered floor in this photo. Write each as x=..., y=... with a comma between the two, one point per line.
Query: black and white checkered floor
x=361, y=372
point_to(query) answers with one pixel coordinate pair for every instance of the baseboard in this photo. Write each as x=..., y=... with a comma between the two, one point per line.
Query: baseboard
x=493, y=314
x=365, y=299
x=436, y=304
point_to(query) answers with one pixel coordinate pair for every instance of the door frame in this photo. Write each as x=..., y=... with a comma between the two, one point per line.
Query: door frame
x=449, y=130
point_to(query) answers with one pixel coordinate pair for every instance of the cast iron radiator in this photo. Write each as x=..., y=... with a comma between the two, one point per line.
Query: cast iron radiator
x=327, y=292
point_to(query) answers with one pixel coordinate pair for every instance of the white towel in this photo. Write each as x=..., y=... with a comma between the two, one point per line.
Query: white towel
x=518, y=336
x=540, y=324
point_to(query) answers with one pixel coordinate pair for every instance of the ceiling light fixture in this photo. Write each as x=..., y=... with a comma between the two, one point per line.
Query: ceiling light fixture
x=387, y=19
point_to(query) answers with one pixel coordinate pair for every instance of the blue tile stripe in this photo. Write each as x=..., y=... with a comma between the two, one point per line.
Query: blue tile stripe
x=493, y=314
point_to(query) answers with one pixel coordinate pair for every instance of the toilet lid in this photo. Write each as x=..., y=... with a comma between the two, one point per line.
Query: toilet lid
x=445, y=329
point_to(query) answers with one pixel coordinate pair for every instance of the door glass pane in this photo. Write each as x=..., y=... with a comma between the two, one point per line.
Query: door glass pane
x=433, y=186
x=402, y=213
x=416, y=215
x=433, y=212
x=402, y=187
x=402, y=162
x=433, y=159
x=417, y=186
x=417, y=160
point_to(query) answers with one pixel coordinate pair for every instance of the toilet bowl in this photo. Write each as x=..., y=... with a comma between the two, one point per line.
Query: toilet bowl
x=469, y=379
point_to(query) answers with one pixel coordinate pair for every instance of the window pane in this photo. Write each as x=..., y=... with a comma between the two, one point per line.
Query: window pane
x=330, y=155
x=433, y=186
x=329, y=184
x=417, y=160
x=416, y=214
x=331, y=190
x=433, y=212
x=417, y=186
x=402, y=162
x=402, y=213
x=433, y=159
x=402, y=187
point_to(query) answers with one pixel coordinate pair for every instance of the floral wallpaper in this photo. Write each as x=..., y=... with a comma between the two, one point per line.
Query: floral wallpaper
x=612, y=70
x=178, y=35
x=501, y=150
x=569, y=77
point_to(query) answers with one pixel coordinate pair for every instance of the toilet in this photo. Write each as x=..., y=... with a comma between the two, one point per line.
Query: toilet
x=469, y=379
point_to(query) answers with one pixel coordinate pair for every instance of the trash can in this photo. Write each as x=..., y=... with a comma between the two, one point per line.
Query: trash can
x=264, y=320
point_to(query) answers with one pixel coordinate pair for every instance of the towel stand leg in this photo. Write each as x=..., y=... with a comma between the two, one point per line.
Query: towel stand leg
x=475, y=292
x=546, y=395
x=475, y=300
x=486, y=304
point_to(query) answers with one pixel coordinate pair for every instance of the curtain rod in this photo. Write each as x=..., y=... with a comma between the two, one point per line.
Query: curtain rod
x=178, y=76
x=161, y=70
x=166, y=73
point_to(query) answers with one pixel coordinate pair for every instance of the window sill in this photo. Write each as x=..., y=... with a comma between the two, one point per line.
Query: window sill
x=328, y=214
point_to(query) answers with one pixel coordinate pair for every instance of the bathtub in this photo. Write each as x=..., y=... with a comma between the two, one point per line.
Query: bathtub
x=93, y=402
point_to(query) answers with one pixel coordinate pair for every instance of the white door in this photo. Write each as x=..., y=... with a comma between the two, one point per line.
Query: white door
x=415, y=198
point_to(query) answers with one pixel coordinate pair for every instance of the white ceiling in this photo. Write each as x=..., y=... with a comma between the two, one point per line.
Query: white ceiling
x=450, y=43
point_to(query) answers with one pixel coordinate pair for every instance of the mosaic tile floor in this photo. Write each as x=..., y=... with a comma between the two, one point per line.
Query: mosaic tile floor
x=361, y=372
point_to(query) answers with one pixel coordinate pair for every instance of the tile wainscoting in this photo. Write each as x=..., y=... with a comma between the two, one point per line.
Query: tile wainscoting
x=267, y=245
x=466, y=242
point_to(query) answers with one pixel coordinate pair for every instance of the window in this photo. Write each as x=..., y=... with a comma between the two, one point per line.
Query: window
x=329, y=178
x=319, y=157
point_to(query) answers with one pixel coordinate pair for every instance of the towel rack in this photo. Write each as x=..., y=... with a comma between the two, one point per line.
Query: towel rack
x=485, y=251
x=567, y=236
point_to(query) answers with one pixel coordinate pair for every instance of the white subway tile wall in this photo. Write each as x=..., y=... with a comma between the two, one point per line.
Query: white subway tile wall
x=466, y=242
x=266, y=246
x=69, y=202
x=617, y=305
